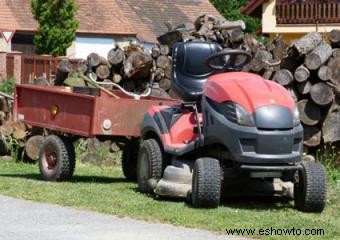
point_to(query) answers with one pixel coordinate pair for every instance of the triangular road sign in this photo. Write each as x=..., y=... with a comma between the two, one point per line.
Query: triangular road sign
x=7, y=34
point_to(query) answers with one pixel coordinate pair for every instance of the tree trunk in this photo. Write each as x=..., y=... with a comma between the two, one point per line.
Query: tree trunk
x=301, y=74
x=311, y=136
x=318, y=56
x=330, y=128
x=96, y=60
x=321, y=94
x=325, y=73
x=116, y=56
x=32, y=146
x=309, y=112
x=103, y=71
x=304, y=87
x=63, y=69
x=283, y=77
x=307, y=43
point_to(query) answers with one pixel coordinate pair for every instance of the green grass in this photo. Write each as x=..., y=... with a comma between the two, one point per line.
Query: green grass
x=103, y=189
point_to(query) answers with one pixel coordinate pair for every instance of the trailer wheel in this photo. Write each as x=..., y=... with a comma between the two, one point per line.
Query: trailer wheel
x=56, y=158
x=310, y=190
x=129, y=159
x=206, y=183
x=149, y=164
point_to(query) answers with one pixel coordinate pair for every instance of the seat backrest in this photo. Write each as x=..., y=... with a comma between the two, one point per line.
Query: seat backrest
x=189, y=71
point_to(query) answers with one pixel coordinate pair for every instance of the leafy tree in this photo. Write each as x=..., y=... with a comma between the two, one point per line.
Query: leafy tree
x=57, y=25
x=230, y=9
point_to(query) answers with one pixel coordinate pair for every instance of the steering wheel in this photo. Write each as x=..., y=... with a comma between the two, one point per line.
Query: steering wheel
x=235, y=60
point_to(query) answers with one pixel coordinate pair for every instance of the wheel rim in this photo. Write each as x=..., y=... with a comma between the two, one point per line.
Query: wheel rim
x=144, y=174
x=49, y=158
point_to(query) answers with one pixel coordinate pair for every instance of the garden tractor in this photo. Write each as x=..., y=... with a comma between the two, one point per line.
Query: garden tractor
x=233, y=129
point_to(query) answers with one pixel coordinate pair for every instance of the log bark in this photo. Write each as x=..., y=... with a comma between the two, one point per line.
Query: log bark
x=163, y=62
x=279, y=48
x=283, y=77
x=138, y=65
x=321, y=94
x=103, y=71
x=63, y=69
x=164, y=50
x=32, y=146
x=304, y=87
x=310, y=113
x=155, y=51
x=301, y=74
x=307, y=43
x=95, y=60
x=165, y=84
x=311, y=136
x=167, y=72
x=116, y=56
x=334, y=65
x=325, y=73
x=318, y=56
x=334, y=37
x=330, y=128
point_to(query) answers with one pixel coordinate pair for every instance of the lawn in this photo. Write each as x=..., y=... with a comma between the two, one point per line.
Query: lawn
x=103, y=189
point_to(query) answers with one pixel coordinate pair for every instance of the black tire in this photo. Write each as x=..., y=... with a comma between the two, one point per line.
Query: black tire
x=149, y=164
x=310, y=189
x=56, y=158
x=129, y=159
x=206, y=183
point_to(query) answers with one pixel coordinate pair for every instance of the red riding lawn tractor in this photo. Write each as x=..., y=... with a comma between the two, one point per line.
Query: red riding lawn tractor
x=234, y=128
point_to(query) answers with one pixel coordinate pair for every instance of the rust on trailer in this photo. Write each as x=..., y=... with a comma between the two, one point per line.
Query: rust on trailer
x=59, y=109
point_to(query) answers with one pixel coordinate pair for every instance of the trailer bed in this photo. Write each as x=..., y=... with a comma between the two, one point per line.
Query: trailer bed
x=60, y=109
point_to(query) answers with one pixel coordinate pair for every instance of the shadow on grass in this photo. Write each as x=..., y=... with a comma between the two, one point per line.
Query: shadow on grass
x=77, y=179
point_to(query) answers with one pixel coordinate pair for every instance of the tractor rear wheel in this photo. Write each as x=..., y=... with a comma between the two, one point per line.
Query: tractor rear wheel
x=310, y=189
x=206, y=183
x=56, y=158
x=149, y=164
x=129, y=159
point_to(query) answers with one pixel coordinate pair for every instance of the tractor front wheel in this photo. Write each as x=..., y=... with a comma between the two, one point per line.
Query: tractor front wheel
x=206, y=183
x=310, y=188
x=149, y=164
x=56, y=158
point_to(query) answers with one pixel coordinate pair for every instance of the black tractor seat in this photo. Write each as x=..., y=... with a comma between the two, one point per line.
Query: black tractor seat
x=189, y=71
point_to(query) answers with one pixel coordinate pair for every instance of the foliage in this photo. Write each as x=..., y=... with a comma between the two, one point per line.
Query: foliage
x=230, y=9
x=329, y=156
x=7, y=85
x=57, y=25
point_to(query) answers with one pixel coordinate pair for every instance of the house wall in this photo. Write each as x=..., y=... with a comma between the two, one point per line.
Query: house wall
x=289, y=32
x=4, y=46
x=84, y=45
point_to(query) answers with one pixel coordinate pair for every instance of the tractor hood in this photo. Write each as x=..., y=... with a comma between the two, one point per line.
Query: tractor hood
x=248, y=90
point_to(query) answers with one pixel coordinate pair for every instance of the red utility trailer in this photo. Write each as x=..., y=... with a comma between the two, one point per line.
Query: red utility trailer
x=67, y=114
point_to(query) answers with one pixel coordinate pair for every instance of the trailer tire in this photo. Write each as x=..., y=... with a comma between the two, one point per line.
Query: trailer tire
x=310, y=190
x=56, y=158
x=206, y=183
x=149, y=165
x=129, y=159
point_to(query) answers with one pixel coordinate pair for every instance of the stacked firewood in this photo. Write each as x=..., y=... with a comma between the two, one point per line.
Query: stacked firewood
x=310, y=69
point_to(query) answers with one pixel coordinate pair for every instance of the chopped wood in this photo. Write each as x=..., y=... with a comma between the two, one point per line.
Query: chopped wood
x=95, y=60
x=103, y=71
x=163, y=62
x=336, y=53
x=334, y=65
x=311, y=136
x=165, y=84
x=318, y=56
x=283, y=77
x=301, y=74
x=310, y=113
x=330, y=128
x=335, y=37
x=63, y=69
x=322, y=94
x=117, y=78
x=307, y=43
x=164, y=50
x=304, y=87
x=325, y=73
x=155, y=51
x=32, y=146
x=116, y=56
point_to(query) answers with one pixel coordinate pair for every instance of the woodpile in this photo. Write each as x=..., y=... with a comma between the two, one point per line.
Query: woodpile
x=309, y=68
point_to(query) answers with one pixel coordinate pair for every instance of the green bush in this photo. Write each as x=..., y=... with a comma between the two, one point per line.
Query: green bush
x=7, y=85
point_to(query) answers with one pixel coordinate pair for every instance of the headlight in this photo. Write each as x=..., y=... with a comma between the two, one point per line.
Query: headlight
x=296, y=116
x=237, y=114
